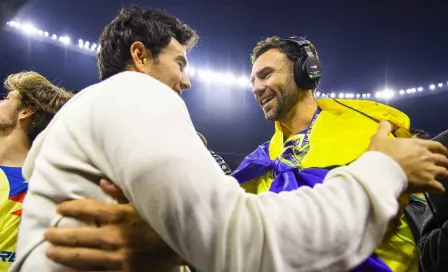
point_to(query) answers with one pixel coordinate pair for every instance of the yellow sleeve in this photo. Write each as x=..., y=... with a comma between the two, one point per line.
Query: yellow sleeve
x=250, y=186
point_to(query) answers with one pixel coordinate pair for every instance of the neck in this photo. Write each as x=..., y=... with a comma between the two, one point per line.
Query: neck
x=299, y=117
x=14, y=148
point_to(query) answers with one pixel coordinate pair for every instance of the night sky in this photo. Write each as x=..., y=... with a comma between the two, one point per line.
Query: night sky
x=363, y=46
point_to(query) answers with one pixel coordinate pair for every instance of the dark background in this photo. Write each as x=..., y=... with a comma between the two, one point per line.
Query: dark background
x=364, y=46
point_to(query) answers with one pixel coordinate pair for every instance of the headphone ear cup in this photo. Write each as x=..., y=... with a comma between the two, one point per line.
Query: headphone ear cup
x=307, y=72
x=301, y=77
x=298, y=73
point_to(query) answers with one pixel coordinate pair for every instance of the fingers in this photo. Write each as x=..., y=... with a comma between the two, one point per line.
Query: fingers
x=440, y=172
x=106, y=237
x=88, y=210
x=86, y=258
x=113, y=191
x=384, y=129
x=433, y=146
x=440, y=160
x=433, y=185
x=436, y=187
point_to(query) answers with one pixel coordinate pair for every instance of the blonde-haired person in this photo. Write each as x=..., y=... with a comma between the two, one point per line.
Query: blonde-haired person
x=29, y=105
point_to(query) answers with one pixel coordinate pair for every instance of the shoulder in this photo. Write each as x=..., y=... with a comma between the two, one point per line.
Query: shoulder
x=136, y=88
x=129, y=84
x=125, y=95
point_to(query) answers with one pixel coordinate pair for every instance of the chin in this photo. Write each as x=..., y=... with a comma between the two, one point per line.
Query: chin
x=270, y=116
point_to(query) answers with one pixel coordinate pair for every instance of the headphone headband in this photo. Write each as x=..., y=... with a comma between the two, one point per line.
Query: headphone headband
x=299, y=40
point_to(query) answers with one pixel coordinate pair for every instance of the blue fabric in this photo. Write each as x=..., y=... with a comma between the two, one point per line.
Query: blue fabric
x=289, y=176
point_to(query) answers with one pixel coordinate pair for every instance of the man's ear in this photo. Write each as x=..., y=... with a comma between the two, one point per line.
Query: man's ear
x=140, y=56
x=26, y=113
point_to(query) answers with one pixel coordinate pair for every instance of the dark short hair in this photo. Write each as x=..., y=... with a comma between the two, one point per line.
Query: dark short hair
x=154, y=28
x=421, y=134
x=290, y=49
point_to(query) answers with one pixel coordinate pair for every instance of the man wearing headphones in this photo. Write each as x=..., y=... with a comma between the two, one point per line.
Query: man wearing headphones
x=313, y=136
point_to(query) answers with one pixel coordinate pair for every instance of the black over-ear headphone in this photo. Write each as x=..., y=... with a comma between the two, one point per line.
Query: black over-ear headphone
x=307, y=68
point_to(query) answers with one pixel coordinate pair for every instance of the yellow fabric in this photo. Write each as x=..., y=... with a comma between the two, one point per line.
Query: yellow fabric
x=398, y=249
x=260, y=185
x=339, y=136
x=9, y=223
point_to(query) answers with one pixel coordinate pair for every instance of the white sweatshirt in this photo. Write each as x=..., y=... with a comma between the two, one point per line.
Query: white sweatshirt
x=137, y=132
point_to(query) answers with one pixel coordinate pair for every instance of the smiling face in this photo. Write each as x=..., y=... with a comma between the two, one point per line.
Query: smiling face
x=274, y=87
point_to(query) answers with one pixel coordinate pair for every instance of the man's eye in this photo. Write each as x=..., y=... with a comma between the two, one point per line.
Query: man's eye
x=266, y=76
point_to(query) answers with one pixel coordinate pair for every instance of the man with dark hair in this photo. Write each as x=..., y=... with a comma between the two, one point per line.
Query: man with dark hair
x=152, y=152
x=27, y=108
x=157, y=47
x=313, y=136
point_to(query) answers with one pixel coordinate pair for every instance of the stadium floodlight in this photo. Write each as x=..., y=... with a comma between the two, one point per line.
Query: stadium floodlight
x=243, y=81
x=388, y=93
x=205, y=75
x=192, y=72
x=29, y=29
x=358, y=95
x=228, y=78
x=64, y=39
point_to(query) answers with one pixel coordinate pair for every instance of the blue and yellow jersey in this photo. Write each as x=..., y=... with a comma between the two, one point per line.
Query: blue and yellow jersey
x=339, y=136
x=13, y=188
